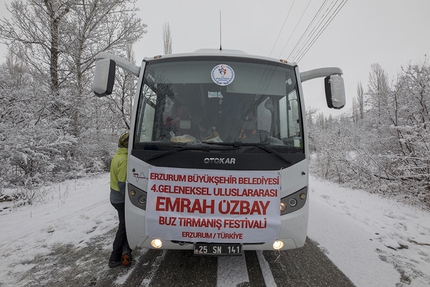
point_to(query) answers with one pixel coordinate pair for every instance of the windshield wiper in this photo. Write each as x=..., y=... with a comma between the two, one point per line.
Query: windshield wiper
x=271, y=150
x=176, y=148
x=259, y=145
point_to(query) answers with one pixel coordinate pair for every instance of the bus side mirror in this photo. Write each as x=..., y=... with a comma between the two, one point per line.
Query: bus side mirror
x=335, y=91
x=104, y=77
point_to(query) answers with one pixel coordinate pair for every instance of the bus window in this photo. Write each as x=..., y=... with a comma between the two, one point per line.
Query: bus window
x=146, y=115
x=293, y=115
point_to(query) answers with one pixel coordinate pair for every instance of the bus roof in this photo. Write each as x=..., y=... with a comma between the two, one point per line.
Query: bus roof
x=218, y=52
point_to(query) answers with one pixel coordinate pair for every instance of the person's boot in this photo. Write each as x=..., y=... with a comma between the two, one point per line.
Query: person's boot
x=113, y=264
x=126, y=258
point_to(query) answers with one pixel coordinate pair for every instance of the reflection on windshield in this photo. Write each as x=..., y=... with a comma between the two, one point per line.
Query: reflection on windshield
x=184, y=102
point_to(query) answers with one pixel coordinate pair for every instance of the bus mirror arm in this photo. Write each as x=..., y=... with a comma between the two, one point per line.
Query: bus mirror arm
x=319, y=73
x=120, y=62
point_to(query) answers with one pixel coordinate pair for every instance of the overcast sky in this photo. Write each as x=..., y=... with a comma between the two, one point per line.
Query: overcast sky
x=392, y=33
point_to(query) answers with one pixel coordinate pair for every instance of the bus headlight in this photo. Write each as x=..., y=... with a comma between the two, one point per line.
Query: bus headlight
x=156, y=243
x=142, y=200
x=283, y=206
x=278, y=244
x=137, y=196
x=294, y=202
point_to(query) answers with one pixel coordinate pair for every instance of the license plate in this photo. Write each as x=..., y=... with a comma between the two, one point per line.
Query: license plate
x=217, y=249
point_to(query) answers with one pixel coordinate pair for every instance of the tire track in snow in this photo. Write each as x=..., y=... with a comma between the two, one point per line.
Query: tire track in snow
x=231, y=271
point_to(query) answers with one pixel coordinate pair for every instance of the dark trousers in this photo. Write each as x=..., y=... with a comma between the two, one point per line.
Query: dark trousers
x=120, y=243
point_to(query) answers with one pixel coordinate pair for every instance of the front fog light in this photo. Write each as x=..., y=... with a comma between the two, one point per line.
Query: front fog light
x=278, y=244
x=156, y=243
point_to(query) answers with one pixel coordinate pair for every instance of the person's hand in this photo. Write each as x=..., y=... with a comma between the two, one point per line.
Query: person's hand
x=177, y=119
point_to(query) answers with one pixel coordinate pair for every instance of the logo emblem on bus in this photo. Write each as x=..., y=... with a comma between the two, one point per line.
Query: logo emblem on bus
x=222, y=75
x=139, y=176
x=219, y=160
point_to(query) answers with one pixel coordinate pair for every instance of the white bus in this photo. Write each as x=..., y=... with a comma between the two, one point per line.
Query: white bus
x=218, y=152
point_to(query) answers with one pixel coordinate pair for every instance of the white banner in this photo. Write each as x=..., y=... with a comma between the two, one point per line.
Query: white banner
x=213, y=205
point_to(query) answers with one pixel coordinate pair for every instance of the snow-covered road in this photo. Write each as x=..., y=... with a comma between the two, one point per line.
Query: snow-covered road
x=374, y=241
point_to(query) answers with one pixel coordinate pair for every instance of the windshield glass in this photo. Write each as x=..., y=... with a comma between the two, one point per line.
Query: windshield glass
x=214, y=100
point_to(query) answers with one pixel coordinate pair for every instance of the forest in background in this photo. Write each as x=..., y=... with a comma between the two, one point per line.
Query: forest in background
x=383, y=144
x=53, y=128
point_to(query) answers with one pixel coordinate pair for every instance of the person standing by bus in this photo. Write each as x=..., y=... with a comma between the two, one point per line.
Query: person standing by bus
x=121, y=253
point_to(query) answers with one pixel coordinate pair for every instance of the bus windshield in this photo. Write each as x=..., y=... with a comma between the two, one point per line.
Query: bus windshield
x=212, y=100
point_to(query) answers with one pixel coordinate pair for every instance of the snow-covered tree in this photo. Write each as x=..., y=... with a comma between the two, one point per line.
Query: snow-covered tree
x=46, y=85
x=383, y=147
x=31, y=146
x=167, y=39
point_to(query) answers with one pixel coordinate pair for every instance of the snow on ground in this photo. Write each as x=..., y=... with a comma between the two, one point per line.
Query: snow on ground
x=374, y=241
x=76, y=211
